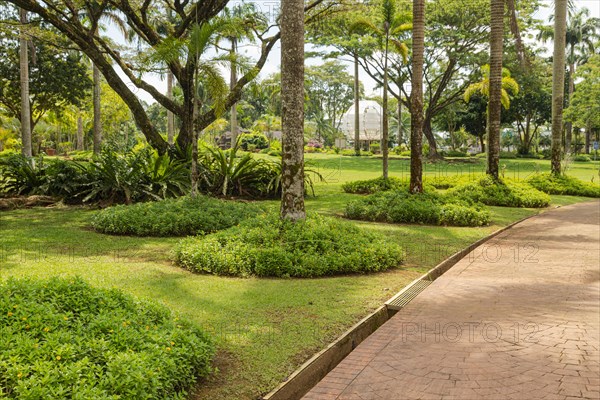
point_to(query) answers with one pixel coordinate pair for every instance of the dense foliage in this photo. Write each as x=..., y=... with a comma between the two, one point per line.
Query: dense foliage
x=369, y=186
x=563, y=184
x=399, y=206
x=269, y=246
x=505, y=193
x=65, y=339
x=173, y=217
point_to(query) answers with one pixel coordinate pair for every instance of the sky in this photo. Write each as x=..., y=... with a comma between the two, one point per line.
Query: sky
x=272, y=65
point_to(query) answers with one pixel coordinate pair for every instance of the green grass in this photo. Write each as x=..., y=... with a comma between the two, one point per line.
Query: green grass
x=264, y=328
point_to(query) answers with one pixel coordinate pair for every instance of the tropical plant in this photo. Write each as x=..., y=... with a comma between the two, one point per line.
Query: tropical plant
x=416, y=132
x=391, y=24
x=509, y=86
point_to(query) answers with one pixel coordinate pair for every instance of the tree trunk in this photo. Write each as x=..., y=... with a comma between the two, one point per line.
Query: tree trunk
x=428, y=131
x=495, y=105
x=569, y=125
x=514, y=27
x=26, y=119
x=482, y=143
x=399, y=122
x=416, y=109
x=170, y=115
x=292, y=109
x=232, y=82
x=588, y=134
x=194, y=173
x=558, y=81
x=79, y=131
x=356, y=108
x=97, y=121
x=384, y=111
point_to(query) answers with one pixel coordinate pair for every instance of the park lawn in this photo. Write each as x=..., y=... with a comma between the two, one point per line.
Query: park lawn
x=264, y=328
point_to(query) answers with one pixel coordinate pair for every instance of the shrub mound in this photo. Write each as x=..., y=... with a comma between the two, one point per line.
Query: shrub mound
x=374, y=185
x=173, y=217
x=582, y=158
x=448, y=181
x=504, y=193
x=268, y=246
x=399, y=206
x=562, y=184
x=65, y=339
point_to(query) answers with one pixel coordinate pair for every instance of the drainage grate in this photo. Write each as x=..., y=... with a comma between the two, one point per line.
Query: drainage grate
x=406, y=296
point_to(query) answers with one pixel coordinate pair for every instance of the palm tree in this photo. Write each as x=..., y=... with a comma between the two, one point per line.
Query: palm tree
x=24, y=71
x=241, y=22
x=292, y=115
x=580, y=34
x=416, y=98
x=484, y=87
x=495, y=86
x=392, y=24
x=558, y=81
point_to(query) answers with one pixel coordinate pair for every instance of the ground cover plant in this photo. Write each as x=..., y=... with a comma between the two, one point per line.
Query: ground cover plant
x=369, y=186
x=564, y=184
x=174, y=217
x=62, y=338
x=504, y=193
x=399, y=206
x=269, y=246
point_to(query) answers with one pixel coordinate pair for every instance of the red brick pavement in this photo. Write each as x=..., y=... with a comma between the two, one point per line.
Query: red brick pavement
x=518, y=318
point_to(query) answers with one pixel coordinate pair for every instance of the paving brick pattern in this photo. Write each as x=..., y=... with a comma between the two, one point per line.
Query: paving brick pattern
x=518, y=318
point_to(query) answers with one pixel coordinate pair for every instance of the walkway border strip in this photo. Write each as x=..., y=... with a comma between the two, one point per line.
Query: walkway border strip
x=318, y=366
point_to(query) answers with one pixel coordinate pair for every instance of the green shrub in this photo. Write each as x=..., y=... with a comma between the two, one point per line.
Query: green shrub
x=507, y=155
x=447, y=181
x=274, y=153
x=456, y=153
x=374, y=185
x=65, y=339
x=505, y=193
x=173, y=217
x=268, y=246
x=399, y=206
x=20, y=175
x=582, y=158
x=563, y=184
x=253, y=141
x=375, y=148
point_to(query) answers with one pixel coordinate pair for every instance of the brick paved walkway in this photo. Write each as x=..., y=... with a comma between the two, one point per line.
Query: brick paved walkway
x=518, y=318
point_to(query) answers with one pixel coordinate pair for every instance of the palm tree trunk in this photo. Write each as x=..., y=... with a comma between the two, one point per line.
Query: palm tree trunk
x=170, y=116
x=384, y=111
x=292, y=109
x=79, y=131
x=399, y=122
x=232, y=82
x=569, y=125
x=416, y=109
x=588, y=137
x=24, y=76
x=495, y=105
x=356, y=108
x=194, y=174
x=97, y=121
x=558, y=81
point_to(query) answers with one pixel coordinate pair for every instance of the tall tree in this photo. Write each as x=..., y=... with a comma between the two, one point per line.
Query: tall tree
x=416, y=108
x=292, y=99
x=581, y=33
x=97, y=124
x=495, y=91
x=170, y=116
x=558, y=81
x=24, y=79
x=392, y=23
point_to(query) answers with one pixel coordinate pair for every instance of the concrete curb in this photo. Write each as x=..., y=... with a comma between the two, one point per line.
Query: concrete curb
x=318, y=366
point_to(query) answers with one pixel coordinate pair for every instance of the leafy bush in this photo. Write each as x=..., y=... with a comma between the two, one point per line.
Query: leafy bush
x=456, y=153
x=351, y=153
x=582, y=158
x=268, y=246
x=373, y=185
x=375, y=148
x=399, y=206
x=447, y=181
x=274, y=153
x=65, y=339
x=563, y=184
x=253, y=140
x=173, y=217
x=505, y=193
x=20, y=175
x=507, y=155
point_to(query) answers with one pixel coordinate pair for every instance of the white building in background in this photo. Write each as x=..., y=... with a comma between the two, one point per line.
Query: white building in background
x=371, y=124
